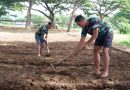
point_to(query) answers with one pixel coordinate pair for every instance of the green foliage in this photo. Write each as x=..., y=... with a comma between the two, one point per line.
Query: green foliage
x=61, y=20
x=122, y=19
x=6, y=5
x=125, y=42
x=125, y=10
x=124, y=28
x=86, y=6
x=121, y=24
x=101, y=8
x=21, y=19
x=6, y=18
x=2, y=11
x=124, y=13
x=52, y=7
x=37, y=20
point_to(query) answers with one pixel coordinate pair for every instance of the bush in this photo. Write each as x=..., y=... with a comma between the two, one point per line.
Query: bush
x=6, y=18
x=124, y=28
x=121, y=24
x=21, y=19
x=37, y=20
x=125, y=42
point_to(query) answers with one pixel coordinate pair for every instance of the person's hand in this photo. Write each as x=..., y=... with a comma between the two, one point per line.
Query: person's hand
x=73, y=53
x=46, y=36
x=86, y=46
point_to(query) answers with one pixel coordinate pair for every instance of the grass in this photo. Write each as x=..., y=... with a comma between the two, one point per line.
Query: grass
x=122, y=39
x=126, y=42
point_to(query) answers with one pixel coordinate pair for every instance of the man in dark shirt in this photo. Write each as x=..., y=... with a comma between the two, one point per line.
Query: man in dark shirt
x=41, y=36
x=102, y=35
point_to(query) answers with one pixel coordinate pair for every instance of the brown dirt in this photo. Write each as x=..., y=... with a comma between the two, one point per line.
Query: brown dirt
x=21, y=69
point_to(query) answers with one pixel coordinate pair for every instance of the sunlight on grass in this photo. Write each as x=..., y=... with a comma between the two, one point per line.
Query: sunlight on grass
x=122, y=39
x=126, y=42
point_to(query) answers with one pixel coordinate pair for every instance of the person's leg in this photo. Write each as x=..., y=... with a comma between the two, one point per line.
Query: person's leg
x=106, y=46
x=106, y=59
x=37, y=38
x=40, y=43
x=97, y=59
x=40, y=49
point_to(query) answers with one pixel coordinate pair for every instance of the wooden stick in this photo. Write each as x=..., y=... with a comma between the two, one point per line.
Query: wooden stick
x=52, y=66
x=59, y=62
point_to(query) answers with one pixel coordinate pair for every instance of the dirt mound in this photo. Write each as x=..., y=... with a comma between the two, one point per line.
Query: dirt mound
x=21, y=69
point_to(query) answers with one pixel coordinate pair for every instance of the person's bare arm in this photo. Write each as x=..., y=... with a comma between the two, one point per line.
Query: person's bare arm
x=93, y=37
x=79, y=46
x=46, y=36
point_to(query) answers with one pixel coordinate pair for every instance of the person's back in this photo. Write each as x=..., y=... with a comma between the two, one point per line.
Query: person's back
x=94, y=23
x=42, y=30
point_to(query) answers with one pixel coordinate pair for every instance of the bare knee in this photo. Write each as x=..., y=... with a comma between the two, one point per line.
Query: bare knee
x=96, y=50
x=105, y=51
x=42, y=46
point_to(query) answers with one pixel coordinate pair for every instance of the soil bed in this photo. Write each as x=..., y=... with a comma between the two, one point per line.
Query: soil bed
x=21, y=69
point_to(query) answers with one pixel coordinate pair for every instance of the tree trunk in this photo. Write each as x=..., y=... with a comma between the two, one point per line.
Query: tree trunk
x=51, y=17
x=72, y=15
x=28, y=20
x=101, y=16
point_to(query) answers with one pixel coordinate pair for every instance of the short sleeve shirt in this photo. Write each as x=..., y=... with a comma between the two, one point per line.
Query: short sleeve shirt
x=93, y=24
x=42, y=31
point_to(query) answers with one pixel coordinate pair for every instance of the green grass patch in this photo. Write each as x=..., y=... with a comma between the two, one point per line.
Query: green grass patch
x=125, y=42
x=122, y=39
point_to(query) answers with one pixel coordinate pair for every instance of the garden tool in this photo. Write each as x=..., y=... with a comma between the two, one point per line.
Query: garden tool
x=53, y=65
x=48, y=50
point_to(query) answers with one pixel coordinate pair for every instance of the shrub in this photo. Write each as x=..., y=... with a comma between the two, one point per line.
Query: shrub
x=121, y=24
x=37, y=20
x=21, y=19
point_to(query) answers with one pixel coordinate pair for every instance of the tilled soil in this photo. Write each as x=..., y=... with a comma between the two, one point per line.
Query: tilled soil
x=22, y=69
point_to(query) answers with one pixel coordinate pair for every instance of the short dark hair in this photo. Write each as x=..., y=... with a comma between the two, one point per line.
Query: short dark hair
x=50, y=23
x=79, y=18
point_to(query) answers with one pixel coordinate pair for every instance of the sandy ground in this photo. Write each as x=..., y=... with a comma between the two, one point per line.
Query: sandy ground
x=21, y=69
x=29, y=36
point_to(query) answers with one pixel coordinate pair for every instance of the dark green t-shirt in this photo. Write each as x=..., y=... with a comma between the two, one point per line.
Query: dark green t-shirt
x=93, y=24
x=42, y=31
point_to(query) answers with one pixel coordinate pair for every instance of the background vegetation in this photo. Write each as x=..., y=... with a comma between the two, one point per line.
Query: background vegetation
x=62, y=13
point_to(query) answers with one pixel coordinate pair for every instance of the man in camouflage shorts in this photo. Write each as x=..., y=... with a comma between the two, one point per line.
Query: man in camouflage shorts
x=41, y=36
x=102, y=35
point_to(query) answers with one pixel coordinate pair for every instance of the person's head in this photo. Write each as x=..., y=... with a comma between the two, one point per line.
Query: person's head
x=80, y=20
x=50, y=25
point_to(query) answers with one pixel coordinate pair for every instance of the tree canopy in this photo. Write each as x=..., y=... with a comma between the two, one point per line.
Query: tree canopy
x=118, y=9
x=6, y=5
x=101, y=8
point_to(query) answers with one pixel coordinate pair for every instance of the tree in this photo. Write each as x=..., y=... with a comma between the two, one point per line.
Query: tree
x=6, y=5
x=121, y=21
x=102, y=8
x=51, y=7
x=125, y=11
x=86, y=6
x=72, y=14
x=28, y=20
